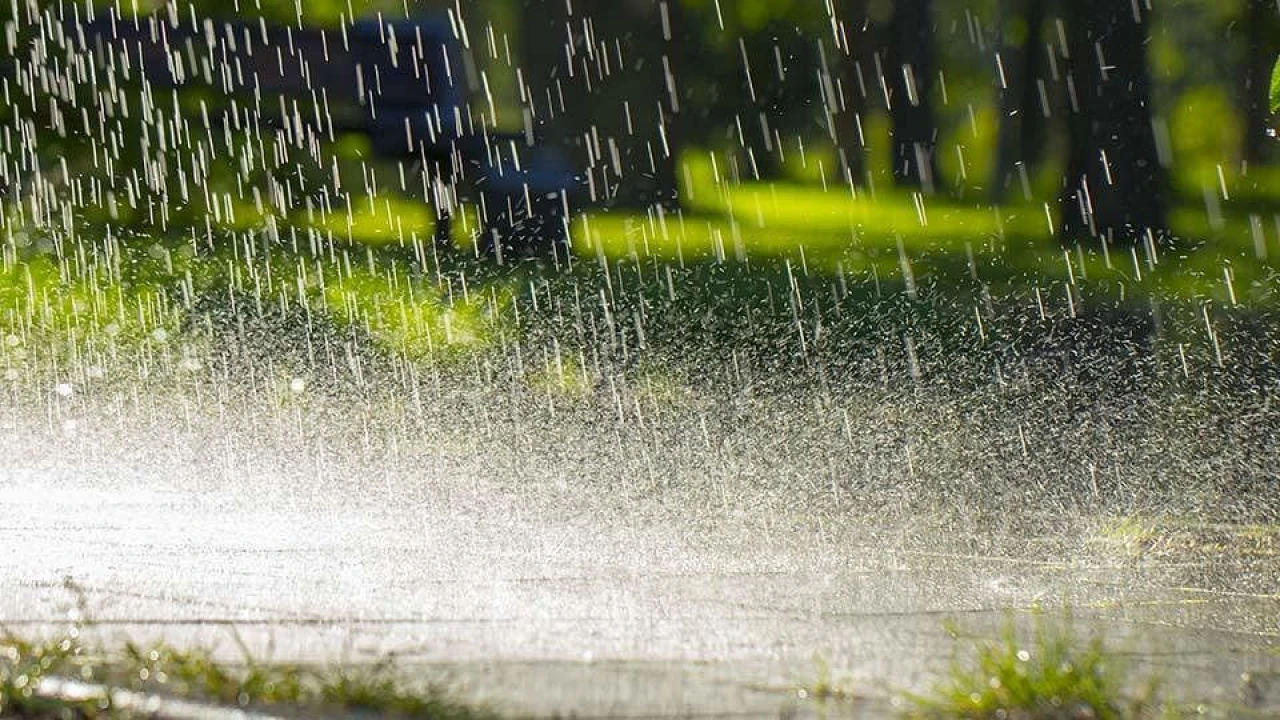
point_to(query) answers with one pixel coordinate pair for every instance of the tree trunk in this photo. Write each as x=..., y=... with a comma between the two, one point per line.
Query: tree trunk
x=602, y=82
x=757, y=124
x=1023, y=107
x=675, y=39
x=1114, y=183
x=855, y=75
x=1263, y=28
x=761, y=159
x=910, y=73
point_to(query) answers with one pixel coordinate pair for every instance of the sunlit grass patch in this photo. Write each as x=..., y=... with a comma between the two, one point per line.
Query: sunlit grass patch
x=1222, y=251
x=1145, y=537
x=49, y=305
x=416, y=318
x=759, y=221
x=560, y=374
x=1049, y=674
x=1128, y=533
x=822, y=234
x=787, y=217
x=828, y=688
x=382, y=219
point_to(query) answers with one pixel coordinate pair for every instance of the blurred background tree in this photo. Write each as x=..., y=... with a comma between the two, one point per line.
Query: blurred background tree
x=1261, y=21
x=604, y=78
x=1114, y=183
x=995, y=100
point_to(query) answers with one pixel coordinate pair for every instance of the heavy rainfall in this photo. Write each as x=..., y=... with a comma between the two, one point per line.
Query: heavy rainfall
x=640, y=357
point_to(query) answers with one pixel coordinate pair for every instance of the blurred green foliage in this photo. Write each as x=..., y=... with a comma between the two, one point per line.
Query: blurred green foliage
x=751, y=16
x=1275, y=88
x=1206, y=133
x=284, y=12
x=259, y=183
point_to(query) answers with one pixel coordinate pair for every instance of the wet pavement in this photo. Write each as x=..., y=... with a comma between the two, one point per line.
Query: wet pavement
x=558, y=597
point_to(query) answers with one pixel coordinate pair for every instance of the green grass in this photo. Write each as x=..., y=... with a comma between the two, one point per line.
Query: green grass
x=749, y=266
x=1225, y=249
x=1049, y=675
x=168, y=671
x=1225, y=252
x=197, y=674
x=1187, y=538
x=417, y=319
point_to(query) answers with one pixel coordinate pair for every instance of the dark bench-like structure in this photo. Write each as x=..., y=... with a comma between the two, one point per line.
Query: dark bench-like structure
x=398, y=82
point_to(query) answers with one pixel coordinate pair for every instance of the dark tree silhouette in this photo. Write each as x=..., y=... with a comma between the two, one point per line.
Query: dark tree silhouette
x=910, y=72
x=1023, y=93
x=1262, y=28
x=602, y=81
x=854, y=80
x=778, y=83
x=1114, y=182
